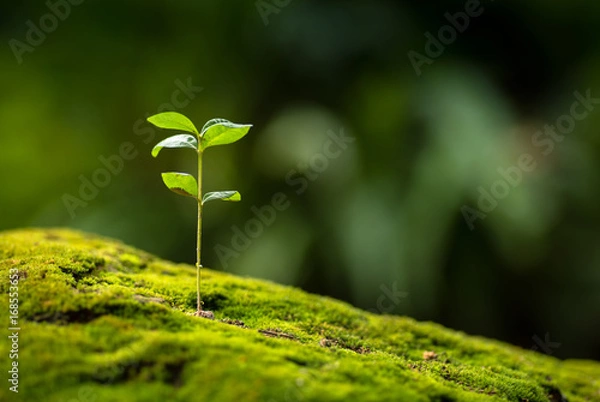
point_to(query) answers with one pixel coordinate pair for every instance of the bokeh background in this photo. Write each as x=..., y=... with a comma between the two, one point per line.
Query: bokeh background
x=383, y=218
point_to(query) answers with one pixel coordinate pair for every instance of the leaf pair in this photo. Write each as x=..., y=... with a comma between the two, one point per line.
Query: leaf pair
x=185, y=184
x=215, y=132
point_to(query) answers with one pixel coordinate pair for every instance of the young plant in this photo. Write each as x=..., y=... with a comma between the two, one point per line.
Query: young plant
x=215, y=132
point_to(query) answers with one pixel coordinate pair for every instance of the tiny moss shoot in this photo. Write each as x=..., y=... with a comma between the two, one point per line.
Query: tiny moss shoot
x=215, y=132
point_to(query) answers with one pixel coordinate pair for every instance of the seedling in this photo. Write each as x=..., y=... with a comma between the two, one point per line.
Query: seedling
x=215, y=132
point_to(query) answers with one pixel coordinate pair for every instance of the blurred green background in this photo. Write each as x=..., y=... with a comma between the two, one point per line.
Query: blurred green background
x=381, y=225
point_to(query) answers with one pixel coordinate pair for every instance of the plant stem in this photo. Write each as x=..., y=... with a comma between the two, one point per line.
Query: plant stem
x=199, y=234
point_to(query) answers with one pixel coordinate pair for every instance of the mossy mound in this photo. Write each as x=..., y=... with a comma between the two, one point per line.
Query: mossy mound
x=101, y=321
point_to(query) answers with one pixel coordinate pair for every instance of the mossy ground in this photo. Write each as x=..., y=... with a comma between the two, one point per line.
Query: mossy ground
x=101, y=321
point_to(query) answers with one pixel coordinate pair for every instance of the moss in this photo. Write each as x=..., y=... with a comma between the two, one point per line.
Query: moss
x=103, y=321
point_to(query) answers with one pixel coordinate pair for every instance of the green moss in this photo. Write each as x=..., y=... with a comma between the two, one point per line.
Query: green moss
x=103, y=321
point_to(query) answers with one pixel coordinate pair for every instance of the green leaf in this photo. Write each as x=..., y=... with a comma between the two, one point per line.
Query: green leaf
x=233, y=196
x=211, y=123
x=173, y=120
x=221, y=132
x=176, y=141
x=181, y=183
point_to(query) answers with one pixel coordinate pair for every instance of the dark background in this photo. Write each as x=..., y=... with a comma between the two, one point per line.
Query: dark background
x=387, y=213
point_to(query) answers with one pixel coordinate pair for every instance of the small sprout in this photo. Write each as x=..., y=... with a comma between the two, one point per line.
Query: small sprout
x=215, y=132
